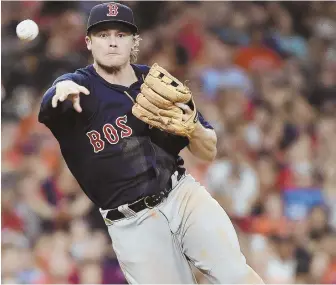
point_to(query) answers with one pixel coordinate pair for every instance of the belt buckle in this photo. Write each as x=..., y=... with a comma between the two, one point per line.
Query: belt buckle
x=108, y=222
x=148, y=206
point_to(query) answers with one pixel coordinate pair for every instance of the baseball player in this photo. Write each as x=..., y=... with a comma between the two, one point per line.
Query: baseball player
x=120, y=127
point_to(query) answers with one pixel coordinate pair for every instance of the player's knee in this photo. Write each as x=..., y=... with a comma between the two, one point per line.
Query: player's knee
x=246, y=275
x=239, y=272
x=232, y=272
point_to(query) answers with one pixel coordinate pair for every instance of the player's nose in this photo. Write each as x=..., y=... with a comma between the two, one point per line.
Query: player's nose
x=112, y=41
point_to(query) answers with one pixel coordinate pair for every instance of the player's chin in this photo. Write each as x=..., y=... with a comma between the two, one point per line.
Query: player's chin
x=115, y=61
x=110, y=68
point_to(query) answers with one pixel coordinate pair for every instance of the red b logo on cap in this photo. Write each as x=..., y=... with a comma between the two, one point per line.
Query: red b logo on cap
x=113, y=10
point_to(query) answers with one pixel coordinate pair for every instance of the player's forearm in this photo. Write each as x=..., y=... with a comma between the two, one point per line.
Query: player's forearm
x=203, y=143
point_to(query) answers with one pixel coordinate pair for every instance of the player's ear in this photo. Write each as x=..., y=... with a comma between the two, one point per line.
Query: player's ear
x=88, y=42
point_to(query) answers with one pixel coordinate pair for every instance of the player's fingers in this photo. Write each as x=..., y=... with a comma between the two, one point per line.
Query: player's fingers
x=185, y=108
x=83, y=90
x=77, y=107
x=68, y=93
x=57, y=97
x=54, y=101
x=63, y=97
x=76, y=104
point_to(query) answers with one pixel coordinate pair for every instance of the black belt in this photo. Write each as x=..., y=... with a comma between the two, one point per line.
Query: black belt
x=146, y=202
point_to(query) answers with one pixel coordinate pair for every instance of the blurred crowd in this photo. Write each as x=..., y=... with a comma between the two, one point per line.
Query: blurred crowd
x=262, y=73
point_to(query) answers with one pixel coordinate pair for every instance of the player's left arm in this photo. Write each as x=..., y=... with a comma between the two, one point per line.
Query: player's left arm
x=203, y=140
x=203, y=143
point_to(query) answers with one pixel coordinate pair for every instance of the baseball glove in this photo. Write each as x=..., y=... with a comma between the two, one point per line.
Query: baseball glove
x=155, y=104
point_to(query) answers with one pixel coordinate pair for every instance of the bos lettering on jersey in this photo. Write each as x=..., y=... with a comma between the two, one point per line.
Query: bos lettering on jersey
x=111, y=134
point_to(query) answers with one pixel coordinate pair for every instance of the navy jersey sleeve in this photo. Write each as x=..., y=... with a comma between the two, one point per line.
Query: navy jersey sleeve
x=47, y=113
x=204, y=123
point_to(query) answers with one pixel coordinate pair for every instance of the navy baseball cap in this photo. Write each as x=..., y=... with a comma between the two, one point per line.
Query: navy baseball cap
x=111, y=12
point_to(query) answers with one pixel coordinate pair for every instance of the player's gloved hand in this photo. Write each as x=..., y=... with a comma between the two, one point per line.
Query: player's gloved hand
x=70, y=90
x=166, y=103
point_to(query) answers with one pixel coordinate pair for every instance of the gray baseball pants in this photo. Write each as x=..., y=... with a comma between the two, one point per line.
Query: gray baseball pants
x=157, y=245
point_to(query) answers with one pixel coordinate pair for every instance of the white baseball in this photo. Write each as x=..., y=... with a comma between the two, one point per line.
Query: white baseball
x=27, y=30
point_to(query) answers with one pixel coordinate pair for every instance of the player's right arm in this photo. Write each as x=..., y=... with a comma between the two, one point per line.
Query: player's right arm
x=62, y=96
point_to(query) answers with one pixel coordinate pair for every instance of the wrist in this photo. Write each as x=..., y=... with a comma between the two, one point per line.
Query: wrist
x=198, y=132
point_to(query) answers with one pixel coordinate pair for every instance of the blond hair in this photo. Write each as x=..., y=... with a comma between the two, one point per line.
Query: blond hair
x=135, y=49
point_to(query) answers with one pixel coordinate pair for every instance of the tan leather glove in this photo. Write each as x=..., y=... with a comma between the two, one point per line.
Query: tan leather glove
x=155, y=104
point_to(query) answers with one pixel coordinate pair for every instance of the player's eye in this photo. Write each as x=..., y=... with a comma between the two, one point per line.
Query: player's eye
x=103, y=35
x=121, y=35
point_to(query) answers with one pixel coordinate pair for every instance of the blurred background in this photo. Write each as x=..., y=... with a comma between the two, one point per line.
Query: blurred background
x=263, y=74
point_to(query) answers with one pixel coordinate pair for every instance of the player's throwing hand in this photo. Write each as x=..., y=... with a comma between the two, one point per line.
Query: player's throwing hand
x=69, y=90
